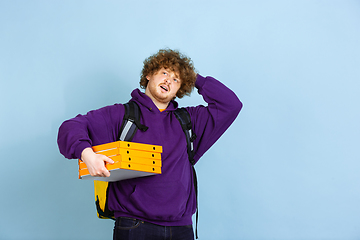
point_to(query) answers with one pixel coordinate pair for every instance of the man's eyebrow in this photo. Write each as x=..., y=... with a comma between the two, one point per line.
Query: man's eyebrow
x=175, y=73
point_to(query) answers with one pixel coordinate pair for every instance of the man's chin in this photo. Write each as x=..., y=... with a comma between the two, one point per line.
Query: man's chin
x=164, y=99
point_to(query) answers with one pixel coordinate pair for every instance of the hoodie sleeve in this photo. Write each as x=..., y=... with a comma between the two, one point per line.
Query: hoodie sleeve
x=211, y=122
x=96, y=127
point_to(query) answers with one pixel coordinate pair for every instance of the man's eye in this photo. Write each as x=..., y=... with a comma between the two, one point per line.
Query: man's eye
x=175, y=80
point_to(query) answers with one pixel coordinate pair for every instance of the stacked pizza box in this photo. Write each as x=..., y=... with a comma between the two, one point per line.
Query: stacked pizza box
x=131, y=160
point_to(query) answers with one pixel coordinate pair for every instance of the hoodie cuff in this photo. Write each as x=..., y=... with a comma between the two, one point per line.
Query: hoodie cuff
x=200, y=81
x=80, y=148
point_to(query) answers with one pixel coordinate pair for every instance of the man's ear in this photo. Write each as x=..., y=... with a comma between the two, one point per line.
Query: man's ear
x=148, y=78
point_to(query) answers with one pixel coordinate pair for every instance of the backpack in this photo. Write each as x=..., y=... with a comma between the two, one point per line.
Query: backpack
x=131, y=123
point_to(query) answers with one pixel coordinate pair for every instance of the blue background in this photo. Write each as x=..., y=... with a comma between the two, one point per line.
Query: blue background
x=288, y=168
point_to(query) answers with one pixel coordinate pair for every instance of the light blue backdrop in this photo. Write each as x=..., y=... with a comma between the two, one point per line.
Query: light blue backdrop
x=289, y=166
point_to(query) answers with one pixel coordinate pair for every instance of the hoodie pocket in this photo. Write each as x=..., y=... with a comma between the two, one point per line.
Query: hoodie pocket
x=160, y=201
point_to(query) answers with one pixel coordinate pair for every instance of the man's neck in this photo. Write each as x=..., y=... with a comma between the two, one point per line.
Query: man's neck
x=160, y=105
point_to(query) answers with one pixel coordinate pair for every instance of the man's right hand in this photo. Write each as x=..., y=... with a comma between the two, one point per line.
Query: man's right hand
x=96, y=163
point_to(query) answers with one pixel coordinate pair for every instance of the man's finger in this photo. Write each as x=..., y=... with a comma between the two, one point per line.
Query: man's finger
x=109, y=160
x=106, y=174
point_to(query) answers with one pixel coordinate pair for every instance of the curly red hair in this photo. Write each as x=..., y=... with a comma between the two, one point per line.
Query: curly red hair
x=174, y=61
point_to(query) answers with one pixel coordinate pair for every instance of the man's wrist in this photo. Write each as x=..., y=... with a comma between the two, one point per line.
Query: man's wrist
x=86, y=153
x=200, y=80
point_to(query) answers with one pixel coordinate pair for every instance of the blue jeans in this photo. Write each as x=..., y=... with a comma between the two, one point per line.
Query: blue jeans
x=133, y=229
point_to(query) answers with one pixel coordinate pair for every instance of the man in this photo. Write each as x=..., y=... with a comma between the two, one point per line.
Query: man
x=160, y=206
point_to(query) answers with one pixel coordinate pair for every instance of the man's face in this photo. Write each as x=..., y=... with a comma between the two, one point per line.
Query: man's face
x=163, y=86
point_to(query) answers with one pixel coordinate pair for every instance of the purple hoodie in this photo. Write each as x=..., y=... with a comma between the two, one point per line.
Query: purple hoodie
x=167, y=199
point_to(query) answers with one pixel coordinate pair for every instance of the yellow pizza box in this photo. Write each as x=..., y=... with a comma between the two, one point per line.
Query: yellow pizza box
x=130, y=153
x=128, y=145
x=129, y=159
x=123, y=170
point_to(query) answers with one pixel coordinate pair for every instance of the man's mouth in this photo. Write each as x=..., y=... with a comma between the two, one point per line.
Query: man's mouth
x=164, y=87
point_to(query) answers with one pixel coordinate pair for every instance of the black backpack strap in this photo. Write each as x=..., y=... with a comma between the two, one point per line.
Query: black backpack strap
x=184, y=118
x=106, y=213
x=131, y=122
